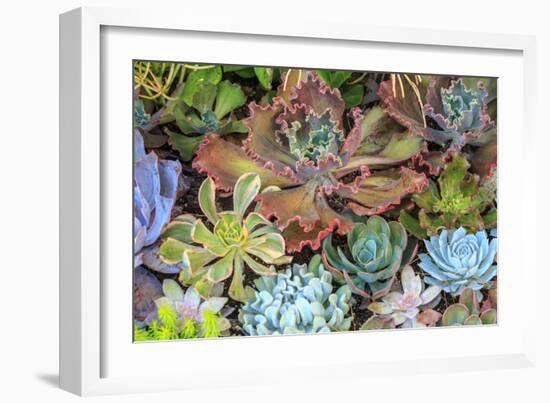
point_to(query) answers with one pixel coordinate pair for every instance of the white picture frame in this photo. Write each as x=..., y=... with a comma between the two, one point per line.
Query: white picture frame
x=96, y=351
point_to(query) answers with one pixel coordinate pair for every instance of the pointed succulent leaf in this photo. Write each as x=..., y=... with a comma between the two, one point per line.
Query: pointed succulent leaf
x=222, y=269
x=353, y=95
x=236, y=289
x=198, y=77
x=180, y=229
x=172, y=290
x=230, y=97
x=265, y=76
x=412, y=225
x=257, y=267
x=226, y=162
x=469, y=298
x=203, y=99
x=455, y=315
x=207, y=200
x=246, y=190
x=202, y=235
x=185, y=145
x=171, y=250
x=379, y=192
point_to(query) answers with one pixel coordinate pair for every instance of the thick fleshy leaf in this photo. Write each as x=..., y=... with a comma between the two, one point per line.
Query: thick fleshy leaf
x=484, y=159
x=185, y=145
x=236, y=289
x=204, y=97
x=329, y=221
x=172, y=290
x=225, y=162
x=246, y=189
x=272, y=247
x=412, y=225
x=207, y=200
x=378, y=322
x=258, y=268
x=194, y=259
x=198, y=77
x=429, y=317
x=472, y=320
x=230, y=97
x=401, y=147
x=455, y=315
x=147, y=289
x=334, y=78
x=290, y=205
x=171, y=250
x=489, y=317
x=180, y=229
x=152, y=260
x=379, y=191
x=380, y=308
x=221, y=269
x=469, y=299
x=265, y=76
x=254, y=220
x=353, y=95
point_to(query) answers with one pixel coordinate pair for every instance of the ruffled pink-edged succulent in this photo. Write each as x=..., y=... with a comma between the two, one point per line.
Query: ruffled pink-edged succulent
x=300, y=145
x=441, y=110
x=410, y=308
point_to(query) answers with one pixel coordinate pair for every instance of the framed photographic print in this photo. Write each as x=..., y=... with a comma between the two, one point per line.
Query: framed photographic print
x=229, y=194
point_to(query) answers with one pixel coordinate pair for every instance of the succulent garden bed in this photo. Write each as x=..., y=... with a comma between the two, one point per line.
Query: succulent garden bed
x=282, y=200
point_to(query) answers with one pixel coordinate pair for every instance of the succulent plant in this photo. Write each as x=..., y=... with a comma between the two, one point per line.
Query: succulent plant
x=376, y=254
x=468, y=312
x=456, y=200
x=459, y=113
x=182, y=315
x=300, y=144
x=298, y=300
x=238, y=240
x=457, y=260
x=155, y=188
x=209, y=110
x=147, y=288
x=405, y=307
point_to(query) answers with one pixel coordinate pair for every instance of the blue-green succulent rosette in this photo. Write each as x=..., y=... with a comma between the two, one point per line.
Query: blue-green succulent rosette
x=457, y=260
x=299, y=300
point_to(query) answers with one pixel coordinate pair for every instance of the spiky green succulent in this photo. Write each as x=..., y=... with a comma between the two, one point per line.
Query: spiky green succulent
x=183, y=315
x=468, y=311
x=233, y=240
x=375, y=255
x=456, y=200
x=298, y=300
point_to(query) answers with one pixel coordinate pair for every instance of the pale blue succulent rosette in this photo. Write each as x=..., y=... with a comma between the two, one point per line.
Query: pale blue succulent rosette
x=298, y=300
x=457, y=260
